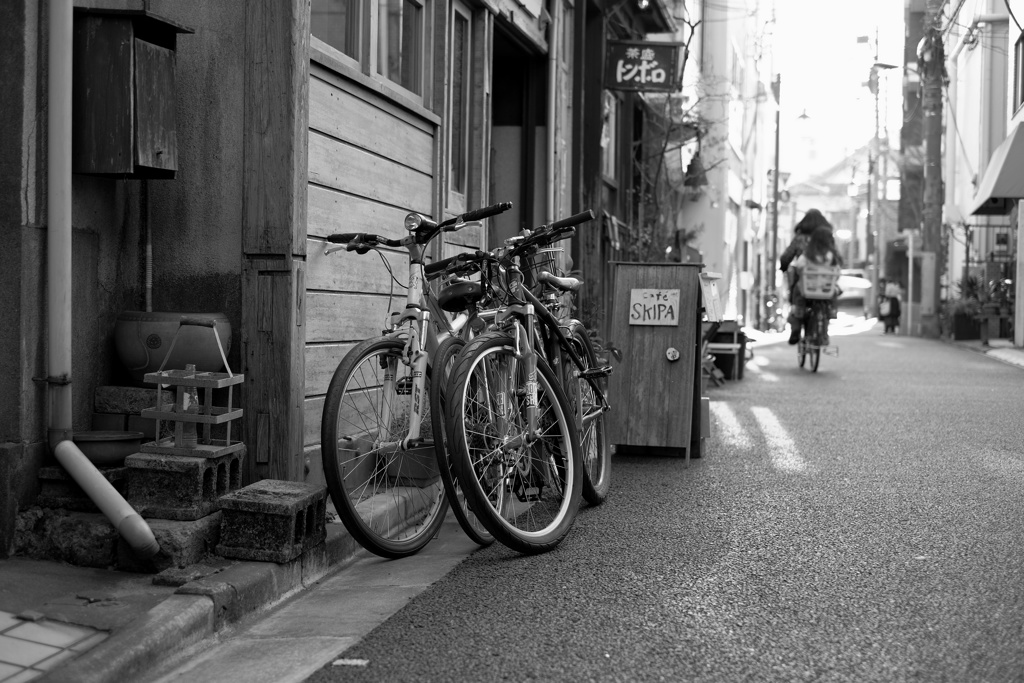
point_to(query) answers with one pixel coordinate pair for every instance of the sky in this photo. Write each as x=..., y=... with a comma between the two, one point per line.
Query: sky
x=823, y=70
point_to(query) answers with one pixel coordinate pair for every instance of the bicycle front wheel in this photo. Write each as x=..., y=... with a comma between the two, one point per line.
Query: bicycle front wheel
x=443, y=362
x=391, y=498
x=524, y=485
x=597, y=459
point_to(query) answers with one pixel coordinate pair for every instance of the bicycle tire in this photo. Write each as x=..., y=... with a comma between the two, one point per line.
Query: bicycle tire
x=392, y=503
x=801, y=352
x=443, y=362
x=529, y=496
x=590, y=421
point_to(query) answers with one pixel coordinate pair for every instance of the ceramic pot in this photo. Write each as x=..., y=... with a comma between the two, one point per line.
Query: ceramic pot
x=108, y=448
x=142, y=340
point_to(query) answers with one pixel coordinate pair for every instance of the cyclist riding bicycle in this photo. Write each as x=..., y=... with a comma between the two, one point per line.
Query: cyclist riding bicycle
x=820, y=251
x=811, y=220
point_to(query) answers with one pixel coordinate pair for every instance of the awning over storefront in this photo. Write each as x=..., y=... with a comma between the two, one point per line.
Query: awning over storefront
x=1003, y=182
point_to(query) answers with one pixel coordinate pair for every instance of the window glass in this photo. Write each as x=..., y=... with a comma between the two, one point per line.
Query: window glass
x=610, y=136
x=460, y=101
x=336, y=22
x=400, y=43
x=1018, y=76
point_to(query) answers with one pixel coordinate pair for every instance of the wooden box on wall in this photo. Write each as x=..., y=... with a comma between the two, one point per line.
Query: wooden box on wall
x=654, y=391
x=123, y=98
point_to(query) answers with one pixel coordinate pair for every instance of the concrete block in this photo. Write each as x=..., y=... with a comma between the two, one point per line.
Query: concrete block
x=181, y=487
x=182, y=543
x=83, y=539
x=110, y=422
x=127, y=400
x=59, y=490
x=273, y=521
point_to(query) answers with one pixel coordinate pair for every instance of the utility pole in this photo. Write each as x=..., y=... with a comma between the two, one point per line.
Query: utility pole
x=931, y=59
x=774, y=247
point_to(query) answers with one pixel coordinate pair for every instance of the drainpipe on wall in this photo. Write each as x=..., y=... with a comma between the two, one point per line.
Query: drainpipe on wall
x=553, y=47
x=58, y=210
x=58, y=286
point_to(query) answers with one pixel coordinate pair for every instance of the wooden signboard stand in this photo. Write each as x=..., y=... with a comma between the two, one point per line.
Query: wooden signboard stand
x=655, y=389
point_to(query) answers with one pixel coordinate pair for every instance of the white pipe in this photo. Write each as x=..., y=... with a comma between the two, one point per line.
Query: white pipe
x=978, y=19
x=124, y=518
x=553, y=48
x=58, y=209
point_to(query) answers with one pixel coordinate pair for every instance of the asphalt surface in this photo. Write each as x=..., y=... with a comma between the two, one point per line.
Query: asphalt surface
x=857, y=524
x=861, y=523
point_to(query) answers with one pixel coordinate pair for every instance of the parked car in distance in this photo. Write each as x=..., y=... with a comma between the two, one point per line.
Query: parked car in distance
x=856, y=301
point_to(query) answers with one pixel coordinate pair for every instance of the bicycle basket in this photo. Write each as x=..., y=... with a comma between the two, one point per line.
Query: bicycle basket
x=542, y=260
x=818, y=282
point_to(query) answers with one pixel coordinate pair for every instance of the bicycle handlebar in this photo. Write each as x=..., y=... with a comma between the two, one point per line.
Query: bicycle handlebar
x=427, y=229
x=485, y=212
x=576, y=219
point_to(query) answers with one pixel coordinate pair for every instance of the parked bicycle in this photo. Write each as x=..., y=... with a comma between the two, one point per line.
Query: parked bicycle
x=378, y=437
x=512, y=430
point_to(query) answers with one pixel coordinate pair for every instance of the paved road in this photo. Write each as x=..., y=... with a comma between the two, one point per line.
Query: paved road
x=858, y=524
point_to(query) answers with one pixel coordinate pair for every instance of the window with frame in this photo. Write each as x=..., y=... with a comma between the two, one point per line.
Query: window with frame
x=397, y=50
x=400, y=42
x=336, y=22
x=610, y=136
x=459, y=93
x=1018, y=72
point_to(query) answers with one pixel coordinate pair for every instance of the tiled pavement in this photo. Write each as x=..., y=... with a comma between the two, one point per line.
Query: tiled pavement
x=31, y=645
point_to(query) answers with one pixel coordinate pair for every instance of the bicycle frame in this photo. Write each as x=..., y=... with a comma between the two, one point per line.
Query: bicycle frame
x=421, y=339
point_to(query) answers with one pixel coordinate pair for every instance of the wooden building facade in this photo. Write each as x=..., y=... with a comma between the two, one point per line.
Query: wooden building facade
x=295, y=119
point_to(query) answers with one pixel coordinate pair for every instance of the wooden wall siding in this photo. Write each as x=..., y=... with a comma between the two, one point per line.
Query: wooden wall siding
x=334, y=316
x=347, y=271
x=332, y=211
x=373, y=125
x=371, y=161
x=333, y=163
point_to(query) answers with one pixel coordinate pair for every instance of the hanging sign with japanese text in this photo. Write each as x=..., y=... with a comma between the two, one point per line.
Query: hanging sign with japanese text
x=641, y=66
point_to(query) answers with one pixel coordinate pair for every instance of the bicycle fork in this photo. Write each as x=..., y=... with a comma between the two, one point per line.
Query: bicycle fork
x=413, y=386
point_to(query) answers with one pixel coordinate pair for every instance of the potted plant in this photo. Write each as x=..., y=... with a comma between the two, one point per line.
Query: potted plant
x=964, y=313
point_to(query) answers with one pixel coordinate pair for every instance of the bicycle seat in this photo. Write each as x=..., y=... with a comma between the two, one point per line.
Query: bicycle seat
x=460, y=295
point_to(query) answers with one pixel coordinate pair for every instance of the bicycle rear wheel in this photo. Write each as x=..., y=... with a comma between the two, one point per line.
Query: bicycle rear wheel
x=391, y=500
x=444, y=360
x=597, y=459
x=525, y=488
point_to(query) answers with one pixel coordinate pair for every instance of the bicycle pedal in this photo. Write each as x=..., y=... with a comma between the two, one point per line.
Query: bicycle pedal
x=597, y=372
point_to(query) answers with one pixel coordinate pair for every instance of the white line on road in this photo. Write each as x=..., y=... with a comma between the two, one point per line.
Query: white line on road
x=782, y=450
x=729, y=426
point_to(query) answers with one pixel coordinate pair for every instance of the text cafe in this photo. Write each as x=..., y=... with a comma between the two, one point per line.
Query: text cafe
x=639, y=65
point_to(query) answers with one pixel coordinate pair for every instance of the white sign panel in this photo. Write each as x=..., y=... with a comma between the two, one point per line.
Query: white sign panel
x=654, y=307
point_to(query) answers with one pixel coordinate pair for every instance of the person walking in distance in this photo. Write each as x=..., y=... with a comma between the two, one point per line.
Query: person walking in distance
x=889, y=308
